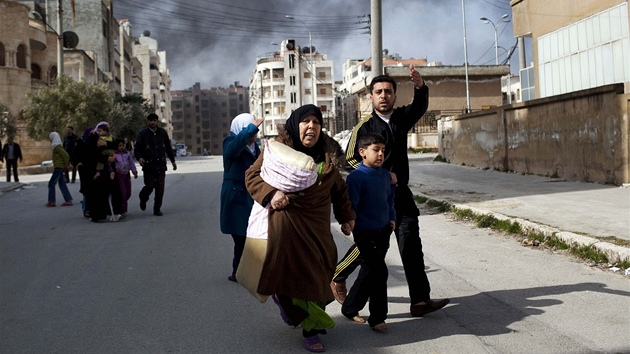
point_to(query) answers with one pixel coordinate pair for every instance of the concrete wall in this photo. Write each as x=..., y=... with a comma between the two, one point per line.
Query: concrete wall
x=581, y=136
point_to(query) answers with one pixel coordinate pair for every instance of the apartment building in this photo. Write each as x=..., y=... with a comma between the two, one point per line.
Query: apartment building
x=202, y=117
x=288, y=78
x=586, y=47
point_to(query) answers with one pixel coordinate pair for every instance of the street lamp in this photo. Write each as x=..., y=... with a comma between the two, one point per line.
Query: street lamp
x=310, y=50
x=503, y=18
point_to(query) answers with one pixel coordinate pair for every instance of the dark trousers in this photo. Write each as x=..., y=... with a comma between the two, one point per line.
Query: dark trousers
x=74, y=174
x=12, y=164
x=153, y=180
x=371, y=283
x=239, y=246
x=409, y=245
x=124, y=184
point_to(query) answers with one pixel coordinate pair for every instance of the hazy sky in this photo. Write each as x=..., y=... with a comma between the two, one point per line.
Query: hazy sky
x=217, y=42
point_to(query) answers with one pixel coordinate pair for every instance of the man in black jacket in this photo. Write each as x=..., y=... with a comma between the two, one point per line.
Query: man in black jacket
x=394, y=125
x=69, y=143
x=152, y=148
x=11, y=152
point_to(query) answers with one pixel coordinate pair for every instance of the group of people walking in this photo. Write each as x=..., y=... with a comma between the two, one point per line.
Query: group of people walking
x=105, y=167
x=300, y=271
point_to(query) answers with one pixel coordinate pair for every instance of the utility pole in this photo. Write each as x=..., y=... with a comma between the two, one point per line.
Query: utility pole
x=377, y=37
x=59, y=39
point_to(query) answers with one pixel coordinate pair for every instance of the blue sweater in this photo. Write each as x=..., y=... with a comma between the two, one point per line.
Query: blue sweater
x=372, y=197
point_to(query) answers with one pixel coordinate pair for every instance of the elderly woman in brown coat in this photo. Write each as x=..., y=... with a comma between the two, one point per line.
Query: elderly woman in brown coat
x=301, y=253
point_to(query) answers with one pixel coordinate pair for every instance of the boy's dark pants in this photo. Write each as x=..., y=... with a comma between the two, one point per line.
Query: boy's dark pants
x=371, y=283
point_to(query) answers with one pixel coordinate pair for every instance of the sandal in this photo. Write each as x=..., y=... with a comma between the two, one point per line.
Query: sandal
x=49, y=205
x=275, y=299
x=310, y=342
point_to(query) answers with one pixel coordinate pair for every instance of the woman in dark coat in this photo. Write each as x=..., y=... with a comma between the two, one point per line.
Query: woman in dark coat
x=100, y=188
x=301, y=253
x=239, y=152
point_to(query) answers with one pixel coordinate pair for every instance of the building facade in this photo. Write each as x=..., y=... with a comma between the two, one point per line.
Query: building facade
x=588, y=46
x=286, y=79
x=202, y=117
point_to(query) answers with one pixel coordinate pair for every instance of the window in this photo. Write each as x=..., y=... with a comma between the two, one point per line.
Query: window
x=36, y=72
x=307, y=75
x=322, y=91
x=322, y=75
x=307, y=91
x=2, y=59
x=21, y=56
x=293, y=97
x=292, y=80
x=291, y=61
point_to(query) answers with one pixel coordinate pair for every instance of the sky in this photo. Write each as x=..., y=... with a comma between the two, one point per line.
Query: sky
x=216, y=43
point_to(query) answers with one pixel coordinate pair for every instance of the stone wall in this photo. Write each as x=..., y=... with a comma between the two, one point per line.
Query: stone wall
x=580, y=136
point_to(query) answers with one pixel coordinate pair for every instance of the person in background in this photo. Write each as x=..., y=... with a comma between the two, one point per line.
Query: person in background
x=372, y=196
x=124, y=165
x=61, y=160
x=81, y=159
x=239, y=153
x=11, y=152
x=153, y=146
x=101, y=188
x=108, y=149
x=301, y=252
x=69, y=143
x=394, y=125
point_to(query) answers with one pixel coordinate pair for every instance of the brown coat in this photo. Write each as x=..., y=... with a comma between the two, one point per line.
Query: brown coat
x=301, y=253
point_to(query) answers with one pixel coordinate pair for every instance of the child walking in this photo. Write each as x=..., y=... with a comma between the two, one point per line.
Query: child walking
x=61, y=160
x=124, y=165
x=372, y=198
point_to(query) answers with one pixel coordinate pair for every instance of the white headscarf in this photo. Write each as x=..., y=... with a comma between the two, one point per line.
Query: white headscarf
x=239, y=123
x=55, y=139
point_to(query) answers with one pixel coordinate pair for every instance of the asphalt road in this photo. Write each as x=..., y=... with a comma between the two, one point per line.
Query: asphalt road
x=152, y=284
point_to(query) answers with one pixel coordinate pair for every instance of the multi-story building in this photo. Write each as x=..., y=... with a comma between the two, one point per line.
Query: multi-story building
x=286, y=79
x=29, y=55
x=202, y=117
x=156, y=81
x=588, y=46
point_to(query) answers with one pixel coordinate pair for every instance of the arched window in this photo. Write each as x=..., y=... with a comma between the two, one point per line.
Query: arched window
x=36, y=72
x=2, y=54
x=53, y=73
x=21, y=56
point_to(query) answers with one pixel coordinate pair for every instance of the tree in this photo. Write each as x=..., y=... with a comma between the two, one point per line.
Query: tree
x=67, y=102
x=7, y=122
x=129, y=115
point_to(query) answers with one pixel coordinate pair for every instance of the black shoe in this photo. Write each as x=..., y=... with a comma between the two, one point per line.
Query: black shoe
x=143, y=205
x=422, y=308
x=232, y=278
x=157, y=213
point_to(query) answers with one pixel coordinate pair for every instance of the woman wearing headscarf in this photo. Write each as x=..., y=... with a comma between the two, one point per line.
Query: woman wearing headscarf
x=101, y=186
x=301, y=253
x=239, y=153
x=61, y=160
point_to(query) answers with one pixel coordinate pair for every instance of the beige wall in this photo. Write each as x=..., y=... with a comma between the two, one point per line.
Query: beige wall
x=581, y=136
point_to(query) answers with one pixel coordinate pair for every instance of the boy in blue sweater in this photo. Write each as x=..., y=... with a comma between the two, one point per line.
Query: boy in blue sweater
x=372, y=198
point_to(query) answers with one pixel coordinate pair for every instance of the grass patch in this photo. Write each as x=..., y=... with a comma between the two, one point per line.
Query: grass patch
x=440, y=158
x=584, y=252
x=441, y=206
x=589, y=252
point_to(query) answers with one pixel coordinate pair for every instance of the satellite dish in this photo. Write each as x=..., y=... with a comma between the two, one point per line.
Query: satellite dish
x=146, y=33
x=291, y=44
x=70, y=40
x=385, y=51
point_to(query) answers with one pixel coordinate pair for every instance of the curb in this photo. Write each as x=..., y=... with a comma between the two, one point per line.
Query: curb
x=613, y=252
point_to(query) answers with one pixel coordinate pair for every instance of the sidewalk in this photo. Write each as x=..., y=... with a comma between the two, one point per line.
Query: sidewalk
x=580, y=213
